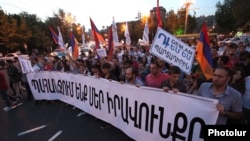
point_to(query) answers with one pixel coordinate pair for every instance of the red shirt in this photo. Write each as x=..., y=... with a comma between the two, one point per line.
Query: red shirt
x=155, y=81
x=48, y=67
x=3, y=82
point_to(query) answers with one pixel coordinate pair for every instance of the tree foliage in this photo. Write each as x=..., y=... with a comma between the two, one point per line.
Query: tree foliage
x=232, y=15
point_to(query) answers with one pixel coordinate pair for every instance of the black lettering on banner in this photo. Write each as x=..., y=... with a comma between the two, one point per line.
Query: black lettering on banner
x=67, y=87
x=95, y=98
x=133, y=116
x=167, y=133
x=53, y=83
x=113, y=104
x=60, y=87
x=78, y=91
x=176, y=128
x=72, y=89
x=143, y=106
x=116, y=100
x=34, y=83
x=85, y=93
x=191, y=128
x=101, y=99
x=124, y=110
x=110, y=103
x=153, y=117
x=41, y=84
x=45, y=83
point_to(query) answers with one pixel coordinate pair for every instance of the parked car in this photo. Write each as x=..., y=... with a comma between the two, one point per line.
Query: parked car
x=11, y=56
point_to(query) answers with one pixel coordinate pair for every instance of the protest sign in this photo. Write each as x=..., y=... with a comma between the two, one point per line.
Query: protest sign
x=172, y=50
x=101, y=52
x=26, y=66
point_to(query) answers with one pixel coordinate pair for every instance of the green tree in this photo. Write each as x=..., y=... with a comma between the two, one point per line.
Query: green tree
x=240, y=10
x=224, y=17
x=4, y=30
x=232, y=15
x=171, y=22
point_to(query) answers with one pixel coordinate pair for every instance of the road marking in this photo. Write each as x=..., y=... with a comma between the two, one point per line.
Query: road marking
x=81, y=113
x=55, y=135
x=31, y=130
x=13, y=107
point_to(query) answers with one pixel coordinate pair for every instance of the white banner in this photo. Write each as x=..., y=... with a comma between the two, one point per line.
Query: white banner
x=60, y=39
x=172, y=50
x=127, y=35
x=145, y=36
x=142, y=113
x=101, y=52
x=115, y=34
x=25, y=65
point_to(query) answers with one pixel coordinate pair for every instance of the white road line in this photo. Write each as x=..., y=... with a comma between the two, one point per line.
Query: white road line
x=31, y=130
x=81, y=113
x=55, y=135
x=13, y=107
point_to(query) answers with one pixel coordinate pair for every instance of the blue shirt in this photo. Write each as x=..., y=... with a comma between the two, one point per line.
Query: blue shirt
x=230, y=98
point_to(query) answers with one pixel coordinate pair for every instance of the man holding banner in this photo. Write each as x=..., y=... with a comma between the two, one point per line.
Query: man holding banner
x=230, y=102
x=156, y=77
x=173, y=82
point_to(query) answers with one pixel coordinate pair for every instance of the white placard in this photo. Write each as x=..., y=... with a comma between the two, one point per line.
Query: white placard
x=26, y=66
x=172, y=50
x=101, y=52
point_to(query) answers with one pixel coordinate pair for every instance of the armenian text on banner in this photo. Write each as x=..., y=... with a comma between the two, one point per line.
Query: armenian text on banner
x=142, y=113
x=172, y=50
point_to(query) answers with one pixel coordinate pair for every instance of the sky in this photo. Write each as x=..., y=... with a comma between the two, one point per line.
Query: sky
x=102, y=11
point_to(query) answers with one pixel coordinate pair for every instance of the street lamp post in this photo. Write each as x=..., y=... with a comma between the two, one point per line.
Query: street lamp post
x=187, y=4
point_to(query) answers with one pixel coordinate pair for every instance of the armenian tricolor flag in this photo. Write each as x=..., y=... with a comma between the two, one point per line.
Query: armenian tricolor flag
x=96, y=34
x=111, y=44
x=203, y=55
x=74, y=45
x=54, y=35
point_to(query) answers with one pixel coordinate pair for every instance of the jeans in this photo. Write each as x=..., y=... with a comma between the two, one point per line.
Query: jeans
x=4, y=96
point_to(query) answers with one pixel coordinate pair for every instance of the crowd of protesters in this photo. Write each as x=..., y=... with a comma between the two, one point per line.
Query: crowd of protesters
x=136, y=66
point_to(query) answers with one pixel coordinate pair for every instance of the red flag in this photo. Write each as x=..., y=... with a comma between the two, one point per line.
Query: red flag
x=54, y=35
x=159, y=15
x=74, y=45
x=97, y=35
x=203, y=55
x=111, y=44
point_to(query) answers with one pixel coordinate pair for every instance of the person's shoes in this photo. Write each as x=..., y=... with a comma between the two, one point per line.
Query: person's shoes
x=105, y=126
x=7, y=108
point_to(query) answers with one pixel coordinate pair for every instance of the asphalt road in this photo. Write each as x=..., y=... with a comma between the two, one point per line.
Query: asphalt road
x=54, y=121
